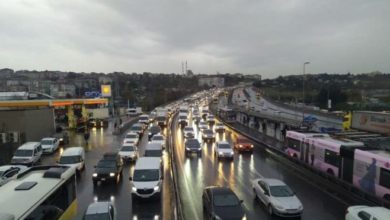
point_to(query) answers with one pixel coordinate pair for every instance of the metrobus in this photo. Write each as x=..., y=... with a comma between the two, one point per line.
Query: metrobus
x=41, y=192
x=364, y=165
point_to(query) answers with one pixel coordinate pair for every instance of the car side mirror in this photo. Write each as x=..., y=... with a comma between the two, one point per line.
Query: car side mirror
x=130, y=178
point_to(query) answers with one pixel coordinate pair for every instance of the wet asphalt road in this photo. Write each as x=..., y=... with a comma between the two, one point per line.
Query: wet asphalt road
x=197, y=172
x=101, y=141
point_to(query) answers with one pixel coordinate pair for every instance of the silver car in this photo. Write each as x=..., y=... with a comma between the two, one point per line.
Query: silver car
x=277, y=197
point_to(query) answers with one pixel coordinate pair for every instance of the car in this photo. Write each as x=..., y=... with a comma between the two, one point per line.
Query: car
x=159, y=138
x=192, y=146
x=113, y=155
x=210, y=119
x=219, y=127
x=223, y=149
x=221, y=203
x=277, y=197
x=153, y=149
x=189, y=132
x=203, y=125
x=183, y=119
x=74, y=157
x=9, y=172
x=28, y=154
x=143, y=119
x=153, y=130
x=49, y=145
x=107, y=170
x=146, y=181
x=197, y=118
x=362, y=212
x=100, y=210
x=138, y=128
x=131, y=138
x=128, y=152
x=161, y=120
x=243, y=144
x=208, y=135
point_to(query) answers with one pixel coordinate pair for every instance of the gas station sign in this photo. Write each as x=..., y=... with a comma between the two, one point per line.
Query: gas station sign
x=106, y=90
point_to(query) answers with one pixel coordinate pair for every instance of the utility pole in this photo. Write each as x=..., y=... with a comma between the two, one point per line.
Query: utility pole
x=303, y=89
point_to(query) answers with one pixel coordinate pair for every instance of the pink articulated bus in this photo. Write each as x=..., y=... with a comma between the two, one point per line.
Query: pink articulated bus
x=363, y=166
x=371, y=172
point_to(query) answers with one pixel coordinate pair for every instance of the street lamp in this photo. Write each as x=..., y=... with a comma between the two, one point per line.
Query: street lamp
x=303, y=89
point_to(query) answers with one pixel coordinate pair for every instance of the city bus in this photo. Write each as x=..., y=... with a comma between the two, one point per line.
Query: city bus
x=41, y=192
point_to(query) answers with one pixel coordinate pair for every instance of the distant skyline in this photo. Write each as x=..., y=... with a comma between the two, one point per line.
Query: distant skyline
x=270, y=38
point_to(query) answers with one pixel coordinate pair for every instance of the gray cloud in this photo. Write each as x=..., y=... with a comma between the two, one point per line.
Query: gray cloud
x=249, y=36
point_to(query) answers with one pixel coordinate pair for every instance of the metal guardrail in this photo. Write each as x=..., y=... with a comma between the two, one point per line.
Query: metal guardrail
x=178, y=209
x=332, y=184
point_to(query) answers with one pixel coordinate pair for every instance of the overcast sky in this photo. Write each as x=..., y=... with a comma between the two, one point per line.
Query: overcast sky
x=271, y=37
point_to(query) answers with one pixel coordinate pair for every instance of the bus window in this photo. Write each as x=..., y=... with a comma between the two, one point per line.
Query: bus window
x=293, y=144
x=384, y=178
x=331, y=158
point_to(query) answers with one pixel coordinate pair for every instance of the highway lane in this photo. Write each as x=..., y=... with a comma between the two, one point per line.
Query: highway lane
x=195, y=173
x=101, y=141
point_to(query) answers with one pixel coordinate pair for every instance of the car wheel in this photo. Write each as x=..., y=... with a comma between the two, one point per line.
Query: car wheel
x=270, y=210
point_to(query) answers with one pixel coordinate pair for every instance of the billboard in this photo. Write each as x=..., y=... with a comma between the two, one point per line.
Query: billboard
x=371, y=121
x=106, y=90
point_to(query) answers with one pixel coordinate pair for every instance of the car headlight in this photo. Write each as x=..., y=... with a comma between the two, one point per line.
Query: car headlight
x=231, y=153
x=156, y=188
x=251, y=145
x=244, y=218
x=240, y=145
x=134, y=189
x=94, y=174
x=112, y=174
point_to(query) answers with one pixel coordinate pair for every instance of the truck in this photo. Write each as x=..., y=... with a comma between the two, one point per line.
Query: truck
x=378, y=122
x=134, y=111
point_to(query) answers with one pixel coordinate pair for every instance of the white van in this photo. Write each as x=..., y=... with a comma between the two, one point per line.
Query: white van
x=154, y=149
x=74, y=157
x=147, y=178
x=28, y=154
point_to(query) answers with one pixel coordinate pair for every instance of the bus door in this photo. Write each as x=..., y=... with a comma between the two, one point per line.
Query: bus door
x=346, y=163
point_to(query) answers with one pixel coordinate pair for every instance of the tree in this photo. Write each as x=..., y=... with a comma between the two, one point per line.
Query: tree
x=335, y=94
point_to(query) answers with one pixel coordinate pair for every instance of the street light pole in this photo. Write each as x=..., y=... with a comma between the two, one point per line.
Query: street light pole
x=303, y=89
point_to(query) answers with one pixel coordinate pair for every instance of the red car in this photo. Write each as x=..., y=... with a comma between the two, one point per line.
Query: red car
x=243, y=144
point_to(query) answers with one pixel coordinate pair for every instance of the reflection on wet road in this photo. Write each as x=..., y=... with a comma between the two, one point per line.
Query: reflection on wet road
x=101, y=141
x=197, y=172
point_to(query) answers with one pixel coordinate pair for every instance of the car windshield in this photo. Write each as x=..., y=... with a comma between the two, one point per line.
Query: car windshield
x=130, y=136
x=226, y=200
x=23, y=153
x=203, y=123
x=208, y=131
x=193, y=143
x=155, y=129
x=153, y=153
x=158, y=138
x=182, y=117
x=188, y=129
x=224, y=146
x=46, y=142
x=281, y=191
x=128, y=148
x=160, y=118
x=143, y=118
x=136, y=128
x=146, y=175
x=106, y=164
x=98, y=216
x=70, y=159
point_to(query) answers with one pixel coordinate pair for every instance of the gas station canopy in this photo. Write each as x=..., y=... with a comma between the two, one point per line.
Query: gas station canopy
x=50, y=102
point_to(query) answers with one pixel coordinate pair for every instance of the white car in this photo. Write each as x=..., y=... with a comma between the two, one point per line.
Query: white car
x=203, y=125
x=219, y=127
x=100, y=210
x=131, y=137
x=362, y=212
x=49, y=144
x=73, y=157
x=128, y=152
x=223, y=149
x=189, y=132
x=210, y=119
x=279, y=199
x=9, y=172
x=143, y=119
x=159, y=138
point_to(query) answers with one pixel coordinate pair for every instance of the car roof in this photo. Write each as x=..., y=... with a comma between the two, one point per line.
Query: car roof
x=132, y=133
x=153, y=146
x=223, y=142
x=28, y=146
x=72, y=151
x=273, y=182
x=98, y=208
x=217, y=190
x=48, y=139
x=144, y=163
x=128, y=144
